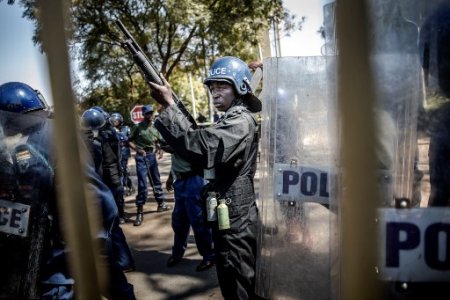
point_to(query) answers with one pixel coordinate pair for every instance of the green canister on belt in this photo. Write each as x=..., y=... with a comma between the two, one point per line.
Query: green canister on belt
x=222, y=215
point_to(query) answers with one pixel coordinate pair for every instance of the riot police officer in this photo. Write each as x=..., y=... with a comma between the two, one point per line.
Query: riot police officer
x=111, y=158
x=227, y=152
x=91, y=122
x=25, y=211
x=123, y=132
x=98, y=140
x=34, y=257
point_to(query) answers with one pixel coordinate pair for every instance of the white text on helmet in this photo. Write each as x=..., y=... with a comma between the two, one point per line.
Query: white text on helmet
x=218, y=71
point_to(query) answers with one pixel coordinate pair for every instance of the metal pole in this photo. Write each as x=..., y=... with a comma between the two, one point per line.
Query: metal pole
x=277, y=38
x=359, y=194
x=72, y=196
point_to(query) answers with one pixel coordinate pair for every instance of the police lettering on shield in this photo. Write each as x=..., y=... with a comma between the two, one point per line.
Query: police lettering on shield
x=303, y=184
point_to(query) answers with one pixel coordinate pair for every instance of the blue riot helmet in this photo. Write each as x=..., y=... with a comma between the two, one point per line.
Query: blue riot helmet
x=232, y=70
x=92, y=119
x=147, y=109
x=19, y=97
x=116, y=119
x=102, y=110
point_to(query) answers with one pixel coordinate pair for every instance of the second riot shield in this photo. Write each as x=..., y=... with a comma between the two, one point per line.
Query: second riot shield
x=412, y=41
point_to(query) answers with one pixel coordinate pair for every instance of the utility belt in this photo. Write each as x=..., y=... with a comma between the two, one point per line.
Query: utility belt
x=241, y=187
x=185, y=175
x=230, y=204
x=241, y=193
x=148, y=149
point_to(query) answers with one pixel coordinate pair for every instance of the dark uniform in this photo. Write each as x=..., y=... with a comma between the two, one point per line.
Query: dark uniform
x=27, y=201
x=125, y=152
x=112, y=170
x=227, y=151
x=111, y=176
x=231, y=147
x=123, y=132
x=91, y=121
x=34, y=266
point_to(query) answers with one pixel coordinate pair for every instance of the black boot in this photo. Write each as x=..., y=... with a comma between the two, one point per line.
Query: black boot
x=139, y=216
x=163, y=207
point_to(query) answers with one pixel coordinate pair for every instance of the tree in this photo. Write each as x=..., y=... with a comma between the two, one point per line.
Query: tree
x=179, y=36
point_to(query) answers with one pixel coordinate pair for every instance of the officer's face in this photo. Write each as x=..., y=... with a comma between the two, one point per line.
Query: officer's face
x=223, y=95
x=115, y=123
x=148, y=116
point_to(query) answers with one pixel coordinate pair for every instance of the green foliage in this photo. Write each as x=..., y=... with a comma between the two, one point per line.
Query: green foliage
x=181, y=84
x=178, y=36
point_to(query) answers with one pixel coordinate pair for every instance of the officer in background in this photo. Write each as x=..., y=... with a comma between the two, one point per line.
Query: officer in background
x=111, y=161
x=35, y=266
x=145, y=139
x=188, y=182
x=227, y=152
x=93, y=123
x=123, y=132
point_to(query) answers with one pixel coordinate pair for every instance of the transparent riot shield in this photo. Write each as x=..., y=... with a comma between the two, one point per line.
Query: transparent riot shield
x=413, y=248
x=26, y=190
x=396, y=110
x=296, y=189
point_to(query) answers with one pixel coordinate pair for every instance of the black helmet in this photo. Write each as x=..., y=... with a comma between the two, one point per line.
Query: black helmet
x=236, y=72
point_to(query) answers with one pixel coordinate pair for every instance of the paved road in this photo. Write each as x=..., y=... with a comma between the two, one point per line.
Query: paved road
x=151, y=246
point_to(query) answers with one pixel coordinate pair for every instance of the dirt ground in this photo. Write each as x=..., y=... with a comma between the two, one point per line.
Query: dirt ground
x=152, y=241
x=151, y=245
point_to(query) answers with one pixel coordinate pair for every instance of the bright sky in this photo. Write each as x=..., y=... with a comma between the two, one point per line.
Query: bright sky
x=306, y=42
x=21, y=61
